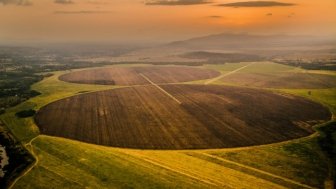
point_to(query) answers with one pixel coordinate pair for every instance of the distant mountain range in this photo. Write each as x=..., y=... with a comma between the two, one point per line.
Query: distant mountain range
x=228, y=47
x=229, y=41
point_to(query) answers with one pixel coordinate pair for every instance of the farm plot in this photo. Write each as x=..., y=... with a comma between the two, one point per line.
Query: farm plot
x=131, y=75
x=284, y=80
x=209, y=117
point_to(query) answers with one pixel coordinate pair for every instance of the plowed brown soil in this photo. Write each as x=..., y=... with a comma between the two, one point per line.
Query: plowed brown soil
x=132, y=75
x=209, y=117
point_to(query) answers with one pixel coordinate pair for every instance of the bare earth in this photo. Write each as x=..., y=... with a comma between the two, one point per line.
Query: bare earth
x=208, y=117
x=282, y=80
x=132, y=75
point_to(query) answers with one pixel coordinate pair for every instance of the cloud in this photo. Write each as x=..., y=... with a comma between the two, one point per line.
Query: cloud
x=214, y=16
x=64, y=2
x=291, y=15
x=82, y=12
x=256, y=4
x=176, y=2
x=269, y=14
x=16, y=2
x=97, y=2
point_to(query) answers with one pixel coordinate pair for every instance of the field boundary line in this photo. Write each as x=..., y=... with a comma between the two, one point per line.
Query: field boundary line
x=164, y=91
x=62, y=176
x=226, y=74
x=258, y=170
x=31, y=167
x=214, y=183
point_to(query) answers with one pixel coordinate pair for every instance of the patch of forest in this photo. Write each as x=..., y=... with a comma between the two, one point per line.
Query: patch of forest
x=18, y=157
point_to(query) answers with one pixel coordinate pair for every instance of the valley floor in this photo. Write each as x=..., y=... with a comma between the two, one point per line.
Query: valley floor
x=65, y=163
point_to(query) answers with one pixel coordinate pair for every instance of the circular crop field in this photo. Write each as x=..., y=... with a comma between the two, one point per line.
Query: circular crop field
x=181, y=117
x=138, y=75
x=282, y=80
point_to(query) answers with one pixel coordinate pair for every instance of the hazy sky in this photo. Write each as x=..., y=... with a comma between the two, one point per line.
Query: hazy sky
x=159, y=20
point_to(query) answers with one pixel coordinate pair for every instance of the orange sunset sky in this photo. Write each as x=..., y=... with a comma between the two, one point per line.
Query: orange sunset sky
x=161, y=21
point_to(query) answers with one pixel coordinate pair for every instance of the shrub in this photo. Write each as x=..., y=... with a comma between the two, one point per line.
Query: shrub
x=25, y=113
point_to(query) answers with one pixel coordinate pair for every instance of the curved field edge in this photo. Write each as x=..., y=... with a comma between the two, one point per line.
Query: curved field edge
x=94, y=121
x=131, y=76
x=272, y=75
x=74, y=164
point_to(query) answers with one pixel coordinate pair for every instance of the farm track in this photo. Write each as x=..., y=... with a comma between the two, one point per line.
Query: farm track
x=184, y=173
x=284, y=179
x=214, y=181
x=164, y=91
x=226, y=74
x=31, y=149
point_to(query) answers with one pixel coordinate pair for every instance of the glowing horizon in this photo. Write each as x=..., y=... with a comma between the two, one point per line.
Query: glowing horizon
x=130, y=20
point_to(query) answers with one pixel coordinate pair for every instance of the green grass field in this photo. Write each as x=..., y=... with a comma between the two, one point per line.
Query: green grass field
x=70, y=164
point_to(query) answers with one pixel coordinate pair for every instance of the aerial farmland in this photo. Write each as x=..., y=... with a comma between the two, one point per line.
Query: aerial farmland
x=194, y=115
x=165, y=94
x=176, y=116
